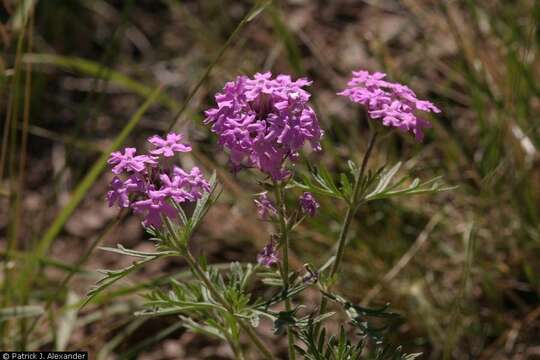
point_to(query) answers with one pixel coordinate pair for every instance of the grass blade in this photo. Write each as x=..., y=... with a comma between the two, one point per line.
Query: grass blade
x=96, y=70
x=29, y=270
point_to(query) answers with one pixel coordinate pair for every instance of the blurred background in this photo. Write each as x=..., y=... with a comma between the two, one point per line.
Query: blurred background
x=462, y=267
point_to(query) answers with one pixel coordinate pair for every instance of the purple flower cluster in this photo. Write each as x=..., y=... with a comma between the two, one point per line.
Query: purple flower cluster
x=393, y=103
x=264, y=121
x=308, y=204
x=149, y=184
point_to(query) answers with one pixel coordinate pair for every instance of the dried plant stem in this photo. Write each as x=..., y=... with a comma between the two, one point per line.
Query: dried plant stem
x=351, y=211
x=199, y=272
x=284, y=230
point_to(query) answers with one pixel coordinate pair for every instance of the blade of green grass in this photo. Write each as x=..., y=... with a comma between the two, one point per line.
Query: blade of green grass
x=151, y=340
x=28, y=272
x=18, y=21
x=9, y=150
x=75, y=269
x=293, y=52
x=94, y=69
x=121, y=336
x=257, y=8
x=464, y=292
x=19, y=312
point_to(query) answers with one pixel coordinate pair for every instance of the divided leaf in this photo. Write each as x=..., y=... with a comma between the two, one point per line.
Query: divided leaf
x=387, y=188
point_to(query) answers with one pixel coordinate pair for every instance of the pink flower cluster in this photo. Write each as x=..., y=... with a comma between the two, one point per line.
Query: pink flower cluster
x=150, y=184
x=264, y=121
x=394, y=104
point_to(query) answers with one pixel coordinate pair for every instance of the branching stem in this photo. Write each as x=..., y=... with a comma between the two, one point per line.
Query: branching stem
x=201, y=275
x=199, y=272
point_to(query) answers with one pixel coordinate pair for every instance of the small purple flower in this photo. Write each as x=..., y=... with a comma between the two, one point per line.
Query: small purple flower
x=194, y=181
x=117, y=193
x=154, y=207
x=394, y=104
x=129, y=162
x=173, y=186
x=167, y=147
x=308, y=204
x=264, y=121
x=184, y=186
x=265, y=207
x=268, y=256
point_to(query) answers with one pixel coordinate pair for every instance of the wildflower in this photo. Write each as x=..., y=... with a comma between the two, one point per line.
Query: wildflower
x=117, y=193
x=265, y=207
x=154, y=207
x=129, y=162
x=268, y=256
x=152, y=191
x=264, y=121
x=308, y=204
x=168, y=146
x=394, y=104
x=194, y=181
x=184, y=186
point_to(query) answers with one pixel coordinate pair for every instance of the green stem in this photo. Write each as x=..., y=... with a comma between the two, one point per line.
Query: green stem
x=235, y=346
x=284, y=229
x=192, y=262
x=199, y=272
x=351, y=211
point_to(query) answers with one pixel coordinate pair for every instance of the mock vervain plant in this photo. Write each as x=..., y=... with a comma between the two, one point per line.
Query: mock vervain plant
x=263, y=122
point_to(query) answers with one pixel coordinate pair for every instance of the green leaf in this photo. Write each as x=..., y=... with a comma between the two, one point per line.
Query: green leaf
x=97, y=70
x=386, y=188
x=22, y=14
x=324, y=184
x=16, y=312
x=170, y=307
x=257, y=11
x=386, y=177
x=207, y=330
x=120, y=249
x=67, y=321
x=112, y=276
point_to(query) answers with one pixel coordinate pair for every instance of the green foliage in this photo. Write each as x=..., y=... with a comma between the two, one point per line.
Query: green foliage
x=374, y=186
x=28, y=275
x=112, y=276
x=387, y=188
x=319, y=346
x=369, y=344
x=180, y=232
x=199, y=311
x=283, y=319
x=168, y=243
x=319, y=181
x=486, y=141
x=17, y=312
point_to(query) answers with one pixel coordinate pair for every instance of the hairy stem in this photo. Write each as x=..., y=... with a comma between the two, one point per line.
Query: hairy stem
x=284, y=230
x=351, y=211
